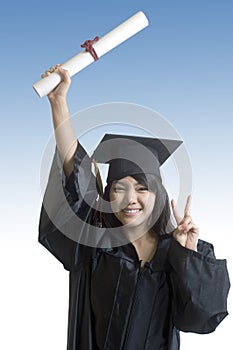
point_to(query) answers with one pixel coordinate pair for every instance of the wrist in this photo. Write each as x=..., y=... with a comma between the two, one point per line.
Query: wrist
x=57, y=101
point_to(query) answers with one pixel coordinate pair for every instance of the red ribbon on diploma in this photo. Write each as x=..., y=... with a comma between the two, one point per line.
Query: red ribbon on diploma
x=89, y=48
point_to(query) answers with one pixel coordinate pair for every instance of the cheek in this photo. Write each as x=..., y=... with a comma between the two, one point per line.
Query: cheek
x=112, y=197
x=150, y=202
x=115, y=201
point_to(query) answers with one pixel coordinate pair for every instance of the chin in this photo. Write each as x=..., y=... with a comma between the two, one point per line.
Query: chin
x=134, y=223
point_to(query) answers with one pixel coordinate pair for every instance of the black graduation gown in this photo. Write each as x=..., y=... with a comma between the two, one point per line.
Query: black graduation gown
x=114, y=303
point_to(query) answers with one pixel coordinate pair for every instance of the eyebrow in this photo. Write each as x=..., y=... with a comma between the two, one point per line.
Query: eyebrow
x=120, y=182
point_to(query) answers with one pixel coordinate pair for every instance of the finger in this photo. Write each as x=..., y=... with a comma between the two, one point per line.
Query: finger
x=188, y=228
x=184, y=223
x=184, y=228
x=47, y=73
x=194, y=229
x=180, y=237
x=175, y=212
x=52, y=69
x=64, y=74
x=186, y=220
x=187, y=210
x=62, y=70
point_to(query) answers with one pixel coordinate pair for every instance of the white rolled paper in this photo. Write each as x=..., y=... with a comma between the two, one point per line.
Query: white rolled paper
x=108, y=42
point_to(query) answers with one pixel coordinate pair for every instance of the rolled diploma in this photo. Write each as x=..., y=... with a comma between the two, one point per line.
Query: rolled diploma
x=109, y=41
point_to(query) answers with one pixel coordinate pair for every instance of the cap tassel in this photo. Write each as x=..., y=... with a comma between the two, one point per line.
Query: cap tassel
x=100, y=185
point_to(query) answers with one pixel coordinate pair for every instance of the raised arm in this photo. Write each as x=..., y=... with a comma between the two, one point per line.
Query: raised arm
x=65, y=137
x=70, y=198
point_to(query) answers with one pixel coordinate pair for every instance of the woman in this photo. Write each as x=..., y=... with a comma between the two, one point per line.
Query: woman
x=139, y=294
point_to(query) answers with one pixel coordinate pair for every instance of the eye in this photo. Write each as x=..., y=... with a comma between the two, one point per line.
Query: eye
x=142, y=189
x=118, y=189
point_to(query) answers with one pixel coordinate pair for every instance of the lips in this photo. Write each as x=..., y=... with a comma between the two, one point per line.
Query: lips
x=131, y=211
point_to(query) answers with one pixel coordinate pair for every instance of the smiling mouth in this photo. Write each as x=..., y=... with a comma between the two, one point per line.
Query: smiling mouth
x=131, y=211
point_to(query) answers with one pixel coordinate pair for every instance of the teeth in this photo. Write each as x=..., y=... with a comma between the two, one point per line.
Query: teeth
x=131, y=211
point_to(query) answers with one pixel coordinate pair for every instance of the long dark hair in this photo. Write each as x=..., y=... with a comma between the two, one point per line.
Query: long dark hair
x=161, y=216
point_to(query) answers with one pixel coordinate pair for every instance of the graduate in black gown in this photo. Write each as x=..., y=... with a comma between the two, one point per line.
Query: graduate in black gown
x=135, y=280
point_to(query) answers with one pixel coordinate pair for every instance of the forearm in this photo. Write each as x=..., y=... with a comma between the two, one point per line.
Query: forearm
x=64, y=133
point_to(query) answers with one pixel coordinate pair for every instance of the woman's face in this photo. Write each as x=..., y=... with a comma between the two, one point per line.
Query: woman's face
x=131, y=202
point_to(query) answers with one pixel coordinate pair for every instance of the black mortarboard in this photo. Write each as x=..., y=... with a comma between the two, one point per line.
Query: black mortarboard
x=130, y=155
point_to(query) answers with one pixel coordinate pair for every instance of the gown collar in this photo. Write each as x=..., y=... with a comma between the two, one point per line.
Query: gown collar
x=157, y=263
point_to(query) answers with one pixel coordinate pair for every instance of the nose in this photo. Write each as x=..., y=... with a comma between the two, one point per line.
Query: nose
x=131, y=196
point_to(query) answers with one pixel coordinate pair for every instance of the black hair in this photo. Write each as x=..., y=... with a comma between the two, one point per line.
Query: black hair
x=161, y=215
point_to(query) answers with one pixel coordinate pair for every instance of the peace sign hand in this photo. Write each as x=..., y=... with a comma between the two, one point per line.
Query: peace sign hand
x=186, y=232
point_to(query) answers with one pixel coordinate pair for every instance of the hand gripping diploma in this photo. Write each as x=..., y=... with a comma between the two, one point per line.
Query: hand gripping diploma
x=186, y=232
x=61, y=90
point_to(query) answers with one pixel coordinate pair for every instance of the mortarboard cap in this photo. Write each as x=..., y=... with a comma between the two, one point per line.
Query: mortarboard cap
x=130, y=155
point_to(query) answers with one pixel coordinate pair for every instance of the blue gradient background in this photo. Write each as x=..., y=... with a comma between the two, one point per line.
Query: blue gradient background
x=180, y=66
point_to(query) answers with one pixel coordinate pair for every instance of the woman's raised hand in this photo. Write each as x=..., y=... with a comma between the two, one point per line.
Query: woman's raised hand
x=61, y=90
x=186, y=232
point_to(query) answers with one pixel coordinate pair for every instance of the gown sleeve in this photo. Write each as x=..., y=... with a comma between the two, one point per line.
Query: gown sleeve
x=200, y=286
x=66, y=202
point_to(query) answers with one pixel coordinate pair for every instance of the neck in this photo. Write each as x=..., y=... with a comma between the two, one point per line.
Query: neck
x=146, y=247
x=139, y=235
